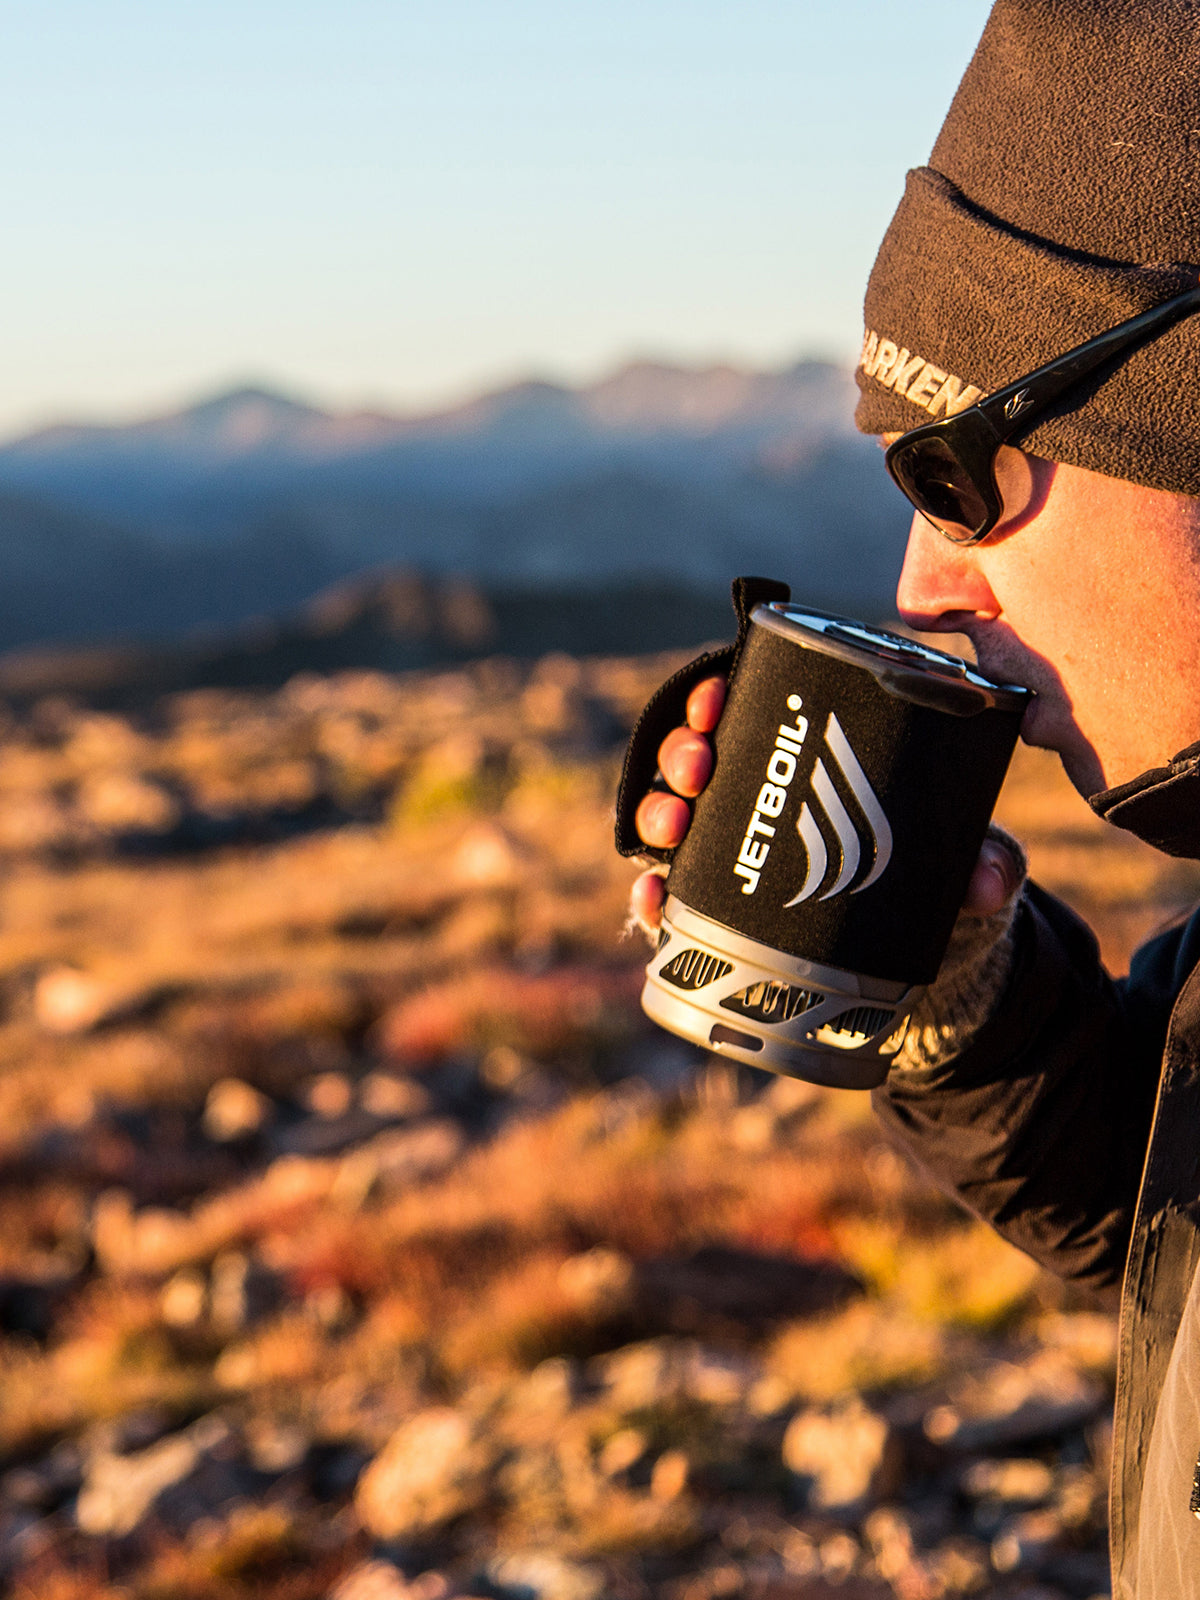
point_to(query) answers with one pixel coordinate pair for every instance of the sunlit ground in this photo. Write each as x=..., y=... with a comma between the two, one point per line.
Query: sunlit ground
x=355, y=1228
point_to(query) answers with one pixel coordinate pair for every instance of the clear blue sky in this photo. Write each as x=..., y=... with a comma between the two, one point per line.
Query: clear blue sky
x=399, y=201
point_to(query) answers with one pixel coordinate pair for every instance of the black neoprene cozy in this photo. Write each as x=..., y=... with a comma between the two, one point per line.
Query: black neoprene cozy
x=854, y=780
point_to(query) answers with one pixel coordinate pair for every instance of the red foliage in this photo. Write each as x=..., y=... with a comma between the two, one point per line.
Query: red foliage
x=542, y=1015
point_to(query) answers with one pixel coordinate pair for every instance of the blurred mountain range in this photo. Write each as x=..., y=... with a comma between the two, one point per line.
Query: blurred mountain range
x=655, y=480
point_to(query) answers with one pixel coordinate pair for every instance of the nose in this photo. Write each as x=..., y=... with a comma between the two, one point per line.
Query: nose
x=942, y=586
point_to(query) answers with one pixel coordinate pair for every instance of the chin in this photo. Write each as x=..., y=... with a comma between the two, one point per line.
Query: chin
x=1084, y=772
x=1080, y=761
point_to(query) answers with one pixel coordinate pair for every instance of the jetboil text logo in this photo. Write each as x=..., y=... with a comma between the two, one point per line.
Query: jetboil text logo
x=823, y=815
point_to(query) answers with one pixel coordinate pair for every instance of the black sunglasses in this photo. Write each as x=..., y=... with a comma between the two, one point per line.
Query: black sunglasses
x=946, y=468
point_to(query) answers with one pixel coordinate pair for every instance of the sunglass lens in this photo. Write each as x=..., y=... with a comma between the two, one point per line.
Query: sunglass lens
x=939, y=486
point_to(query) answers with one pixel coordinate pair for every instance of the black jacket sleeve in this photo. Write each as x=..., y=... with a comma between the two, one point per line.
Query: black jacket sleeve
x=1040, y=1126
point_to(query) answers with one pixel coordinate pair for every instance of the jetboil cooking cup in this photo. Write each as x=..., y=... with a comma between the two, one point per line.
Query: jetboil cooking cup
x=814, y=895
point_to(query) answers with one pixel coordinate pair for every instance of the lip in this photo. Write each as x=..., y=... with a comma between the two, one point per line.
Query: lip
x=1004, y=672
x=1043, y=728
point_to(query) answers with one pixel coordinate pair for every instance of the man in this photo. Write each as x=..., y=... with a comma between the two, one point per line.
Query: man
x=1062, y=202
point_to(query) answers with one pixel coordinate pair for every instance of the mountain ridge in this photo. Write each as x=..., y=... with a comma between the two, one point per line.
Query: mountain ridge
x=690, y=398
x=247, y=501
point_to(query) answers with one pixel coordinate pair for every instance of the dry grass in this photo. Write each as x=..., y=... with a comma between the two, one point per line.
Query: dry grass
x=873, y=1346
x=964, y=1277
x=463, y=941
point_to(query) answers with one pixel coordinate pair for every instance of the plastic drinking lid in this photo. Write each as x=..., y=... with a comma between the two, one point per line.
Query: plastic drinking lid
x=905, y=666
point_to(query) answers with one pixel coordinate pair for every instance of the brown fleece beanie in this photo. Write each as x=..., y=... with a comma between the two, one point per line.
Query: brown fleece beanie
x=1062, y=197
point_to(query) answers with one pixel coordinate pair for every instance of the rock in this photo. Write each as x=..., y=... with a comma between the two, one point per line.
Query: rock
x=152, y=1241
x=329, y=1305
x=183, y=1478
x=539, y=1014
x=645, y=1374
x=299, y=1179
x=1046, y=1545
x=718, y=1377
x=549, y=1390
x=905, y=1556
x=184, y=1298
x=1016, y=1482
x=540, y=1575
x=488, y=858
x=394, y=1099
x=372, y=1580
x=329, y=1094
x=1026, y=1543
x=1087, y=1338
x=639, y=1375
x=399, y=1157
x=501, y=1068
x=753, y=1128
x=119, y=1490
x=845, y=1456
x=621, y=1451
x=380, y=1580
x=234, y=1110
x=1016, y=1403
x=227, y=1292
x=599, y=1282
x=434, y=1468
x=1080, y=1498
x=723, y=1582
x=126, y=802
x=670, y=1475
x=277, y=1447
x=791, y=1097
x=890, y=1536
x=840, y=1555
x=66, y=1000
x=241, y=1291
x=333, y=1470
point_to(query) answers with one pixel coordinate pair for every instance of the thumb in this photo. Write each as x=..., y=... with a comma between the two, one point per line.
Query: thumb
x=998, y=875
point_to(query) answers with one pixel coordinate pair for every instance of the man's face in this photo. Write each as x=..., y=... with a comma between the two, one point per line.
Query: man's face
x=1089, y=593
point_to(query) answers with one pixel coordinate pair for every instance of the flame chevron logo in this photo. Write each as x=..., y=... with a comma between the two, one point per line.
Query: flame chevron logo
x=1015, y=406
x=828, y=803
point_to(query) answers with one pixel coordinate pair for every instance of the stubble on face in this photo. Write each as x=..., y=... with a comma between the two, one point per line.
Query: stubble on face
x=1100, y=615
x=1089, y=594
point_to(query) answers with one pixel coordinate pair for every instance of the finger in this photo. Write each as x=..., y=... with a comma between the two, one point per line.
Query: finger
x=995, y=879
x=662, y=820
x=705, y=704
x=646, y=899
x=685, y=759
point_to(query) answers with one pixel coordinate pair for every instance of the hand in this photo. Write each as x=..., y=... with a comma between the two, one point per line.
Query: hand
x=977, y=962
x=685, y=759
x=996, y=878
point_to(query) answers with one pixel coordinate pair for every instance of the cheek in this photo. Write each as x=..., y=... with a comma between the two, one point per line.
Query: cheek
x=1054, y=605
x=1115, y=637
x=1098, y=651
x=1075, y=640
x=1099, y=595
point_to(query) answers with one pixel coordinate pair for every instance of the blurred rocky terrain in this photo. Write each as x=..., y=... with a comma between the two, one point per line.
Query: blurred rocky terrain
x=359, y=1240
x=389, y=620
